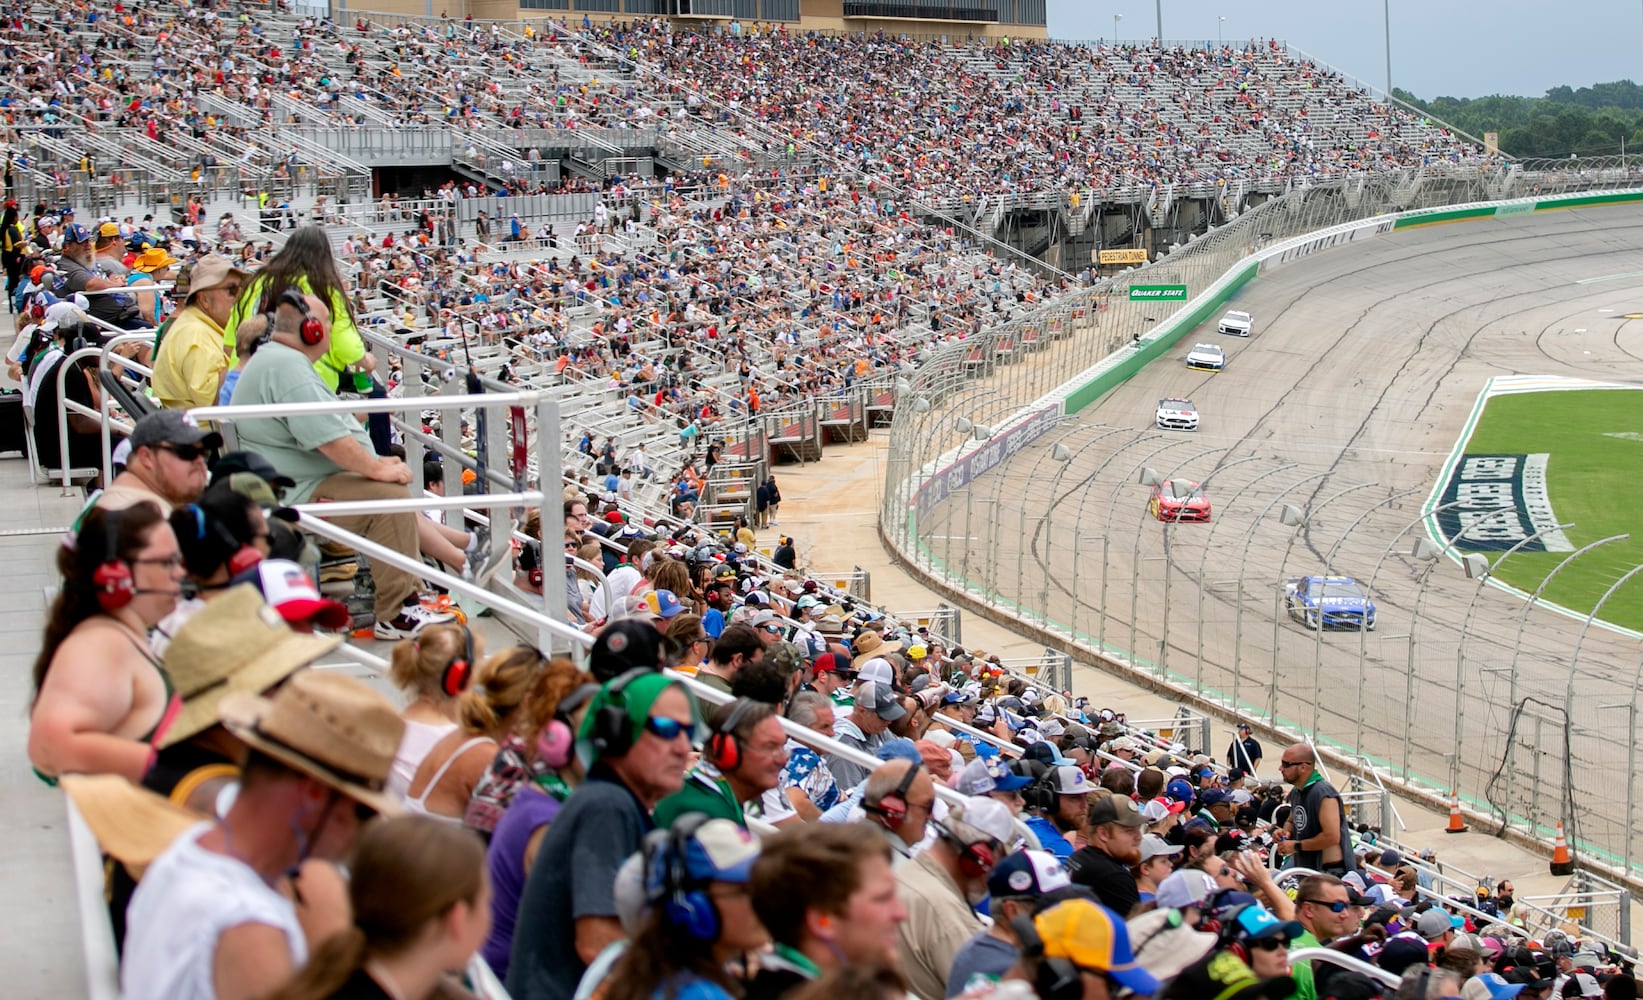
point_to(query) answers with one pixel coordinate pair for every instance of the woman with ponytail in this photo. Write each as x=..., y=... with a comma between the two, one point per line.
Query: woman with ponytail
x=421, y=668
x=489, y=708
x=421, y=906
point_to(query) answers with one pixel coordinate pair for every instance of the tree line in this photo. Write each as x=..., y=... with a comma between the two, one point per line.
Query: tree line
x=1588, y=121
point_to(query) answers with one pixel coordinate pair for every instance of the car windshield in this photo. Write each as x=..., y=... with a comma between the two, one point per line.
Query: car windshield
x=1181, y=489
x=1175, y=404
x=1238, y=316
x=1334, y=589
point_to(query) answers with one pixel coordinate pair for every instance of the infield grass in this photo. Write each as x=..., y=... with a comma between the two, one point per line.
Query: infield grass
x=1595, y=440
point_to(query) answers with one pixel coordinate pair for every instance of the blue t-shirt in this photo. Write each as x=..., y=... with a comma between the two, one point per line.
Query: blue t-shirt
x=713, y=622
x=1049, y=837
x=693, y=989
x=980, y=961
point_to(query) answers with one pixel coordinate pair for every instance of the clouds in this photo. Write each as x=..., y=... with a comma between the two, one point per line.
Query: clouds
x=1457, y=48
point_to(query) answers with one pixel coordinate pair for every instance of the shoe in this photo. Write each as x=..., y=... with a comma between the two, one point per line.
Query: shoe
x=403, y=627
x=476, y=563
x=427, y=615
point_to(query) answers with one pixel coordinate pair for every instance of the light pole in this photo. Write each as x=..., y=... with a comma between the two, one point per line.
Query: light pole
x=1158, y=11
x=1115, y=19
x=1220, y=23
x=1386, y=18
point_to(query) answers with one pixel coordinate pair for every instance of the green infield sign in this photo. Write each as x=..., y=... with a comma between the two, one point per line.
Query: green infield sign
x=1158, y=293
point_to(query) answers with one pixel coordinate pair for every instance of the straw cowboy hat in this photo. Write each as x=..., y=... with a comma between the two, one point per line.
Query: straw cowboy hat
x=235, y=644
x=153, y=259
x=871, y=644
x=132, y=825
x=328, y=726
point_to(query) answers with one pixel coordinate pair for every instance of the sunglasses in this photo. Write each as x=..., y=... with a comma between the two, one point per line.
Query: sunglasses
x=186, y=452
x=1339, y=906
x=1273, y=943
x=664, y=728
x=772, y=629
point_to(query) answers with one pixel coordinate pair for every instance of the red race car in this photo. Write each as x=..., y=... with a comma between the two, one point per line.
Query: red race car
x=1178, y=500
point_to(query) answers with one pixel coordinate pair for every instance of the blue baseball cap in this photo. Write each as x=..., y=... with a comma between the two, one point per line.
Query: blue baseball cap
x=1496, y=986
x=1214, y=797
x=76, y=233
x=1048, y=754
x=1256, y=923
x=1179, y=789
x=1004, y=779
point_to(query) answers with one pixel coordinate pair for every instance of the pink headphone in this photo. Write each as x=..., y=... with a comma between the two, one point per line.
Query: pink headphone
x=557, y=741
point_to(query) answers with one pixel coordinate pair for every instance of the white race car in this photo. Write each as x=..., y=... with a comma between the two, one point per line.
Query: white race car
x=1236, y=323
x=1206, y=357
x=1175, y=414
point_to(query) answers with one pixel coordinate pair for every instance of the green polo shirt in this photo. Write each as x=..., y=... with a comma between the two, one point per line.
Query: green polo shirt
x=704, y=791
x=1306, y=988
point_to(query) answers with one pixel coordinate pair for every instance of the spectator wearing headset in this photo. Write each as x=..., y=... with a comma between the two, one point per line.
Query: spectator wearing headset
x=941, y=885
x=743, y=758
x=422, y=669
x=490, y=705
x=635, y=742
x=1021, y=885
x=898, y=800
x=698, y=914
x=1080, y=950
x=827, y=897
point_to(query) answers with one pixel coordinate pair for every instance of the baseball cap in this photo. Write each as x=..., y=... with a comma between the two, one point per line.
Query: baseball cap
x=1047, y=753
x=716, y=851
x=879, y=699
x=1178, y=790
x=832, y=663
x=1225, y=976
x=1582, y=984
x=108, y=230
x=623, y=645
x=1027, y=873
x=1154, y=846
x=878, y=670
x=249, y=461
x=1489, y=986
x=662, y=603
x=1118, y=809
x=1433, y=924
x=1093, y=937
x=76, y=233
x=287, y=588
x=1164, y=944
x=1256, y=923
x=1400, y=952
x=171, y=427
x=1069, y=779
x=1188, y=887
x=981, y=817
x=1214, y=797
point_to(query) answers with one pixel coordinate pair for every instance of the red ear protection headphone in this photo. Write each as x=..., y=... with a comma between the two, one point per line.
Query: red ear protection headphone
x=975, y=860
x=312, y=330
x=454, y=680
x=243, y=555
x=892, y=808
x=112, y=580
x=724, y=750
x=530, y=561
x=558, y=738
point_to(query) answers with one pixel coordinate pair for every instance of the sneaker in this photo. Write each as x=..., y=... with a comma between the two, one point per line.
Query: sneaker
x=427, y=615
x=403, y=627
x=477, y=565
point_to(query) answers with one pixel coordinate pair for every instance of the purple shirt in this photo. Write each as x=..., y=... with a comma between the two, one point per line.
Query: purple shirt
x=531, y=810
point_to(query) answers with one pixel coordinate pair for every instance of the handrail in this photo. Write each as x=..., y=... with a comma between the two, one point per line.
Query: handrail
x=1346, y=962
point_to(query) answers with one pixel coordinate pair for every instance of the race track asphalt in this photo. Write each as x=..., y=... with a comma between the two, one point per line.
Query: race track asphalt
x=1363, y=371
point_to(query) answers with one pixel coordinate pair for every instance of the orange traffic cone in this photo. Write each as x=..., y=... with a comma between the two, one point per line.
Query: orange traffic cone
x=1562, y=863
x=1456, y=823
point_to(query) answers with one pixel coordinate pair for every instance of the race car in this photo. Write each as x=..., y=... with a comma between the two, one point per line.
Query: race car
x=1206, y=357
x=1177, y=414
x=1178, y=500
x=1236, y=323
x=1329, y=602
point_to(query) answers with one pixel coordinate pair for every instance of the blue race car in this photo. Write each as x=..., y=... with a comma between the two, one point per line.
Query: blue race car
x=1329, y=602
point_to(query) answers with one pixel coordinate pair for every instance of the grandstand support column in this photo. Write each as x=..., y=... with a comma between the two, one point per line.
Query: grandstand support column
x=1278, y=619
x=1523, y=618
x=1203, y=565
x=1243, y=559
x=550, y=468
x=1569, y=701
x=1482, y=577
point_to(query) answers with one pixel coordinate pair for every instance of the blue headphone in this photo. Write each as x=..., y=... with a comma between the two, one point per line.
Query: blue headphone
x=686, y=904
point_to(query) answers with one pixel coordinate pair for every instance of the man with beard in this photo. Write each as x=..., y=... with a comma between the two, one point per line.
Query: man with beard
x=1112, y=848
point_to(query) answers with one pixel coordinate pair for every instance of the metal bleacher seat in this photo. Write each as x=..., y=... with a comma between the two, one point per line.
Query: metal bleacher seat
x=40, y=473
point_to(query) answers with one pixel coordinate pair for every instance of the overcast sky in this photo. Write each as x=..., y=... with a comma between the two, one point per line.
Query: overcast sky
x=1456, y=48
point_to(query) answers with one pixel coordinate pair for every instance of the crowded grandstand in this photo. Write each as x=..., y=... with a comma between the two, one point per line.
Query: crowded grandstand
x=681, y=763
